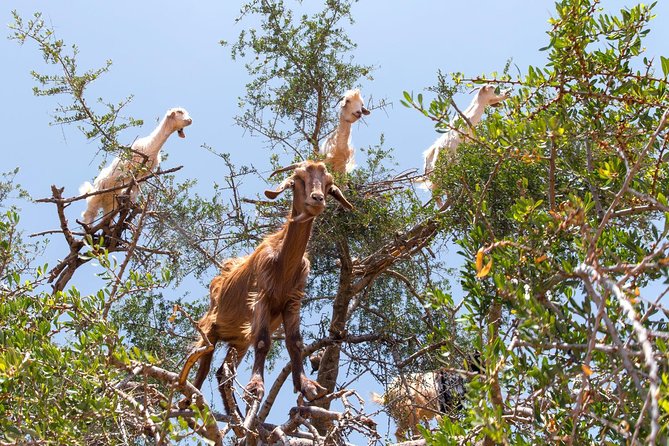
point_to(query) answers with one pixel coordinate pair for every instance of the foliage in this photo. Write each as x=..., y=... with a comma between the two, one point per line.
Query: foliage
x=15, y=254
x=63, y=377
x=560, y=201
x=71, y=84
x=53, y=366
x=300, y=67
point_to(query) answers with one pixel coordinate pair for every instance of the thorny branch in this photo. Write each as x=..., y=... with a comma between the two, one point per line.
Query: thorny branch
x=591, y=274
x=109, y=229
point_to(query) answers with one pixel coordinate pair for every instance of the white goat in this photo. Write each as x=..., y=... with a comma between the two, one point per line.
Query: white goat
x=450, y=140
x=145, y=157
x=337, y=147
x=420, y=397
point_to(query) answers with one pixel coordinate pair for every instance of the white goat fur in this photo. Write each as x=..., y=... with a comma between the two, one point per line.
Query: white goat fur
x=145, y=157
x=415, y=399
x=337, y=147
x=450, y=140
x=412, y=403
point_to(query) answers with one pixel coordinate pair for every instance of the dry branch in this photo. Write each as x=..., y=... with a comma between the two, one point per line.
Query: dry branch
x=109, y=228
x=210, y=429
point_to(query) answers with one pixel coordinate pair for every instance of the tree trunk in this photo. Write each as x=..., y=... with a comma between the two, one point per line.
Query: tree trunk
x=328, y=370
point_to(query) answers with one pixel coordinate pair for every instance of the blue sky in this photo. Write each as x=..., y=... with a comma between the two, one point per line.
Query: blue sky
x=167, y=54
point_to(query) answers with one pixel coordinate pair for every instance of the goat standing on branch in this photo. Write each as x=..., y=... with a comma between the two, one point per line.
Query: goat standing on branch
x=144, y=158
x=450, y=140
x=254, y=294
x=337, y=147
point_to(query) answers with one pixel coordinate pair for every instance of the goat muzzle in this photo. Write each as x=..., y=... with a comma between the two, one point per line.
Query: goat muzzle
x=318, y=197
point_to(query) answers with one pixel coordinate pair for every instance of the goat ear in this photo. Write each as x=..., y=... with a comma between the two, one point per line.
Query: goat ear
x=365, y=111
x=336, y=193
x=272, y=194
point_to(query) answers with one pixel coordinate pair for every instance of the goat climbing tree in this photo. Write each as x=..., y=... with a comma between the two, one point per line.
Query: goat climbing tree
x=557, y=203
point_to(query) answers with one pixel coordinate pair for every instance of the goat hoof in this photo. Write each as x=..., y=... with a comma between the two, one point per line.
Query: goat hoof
x=312, y=390
x=255, y=389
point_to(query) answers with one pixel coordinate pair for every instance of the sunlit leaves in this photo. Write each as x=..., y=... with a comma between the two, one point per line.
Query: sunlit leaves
x=482, y=270
x=665, y=65
x=536, y=191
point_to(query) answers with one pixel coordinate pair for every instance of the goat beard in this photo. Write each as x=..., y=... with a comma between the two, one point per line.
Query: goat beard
x=303, y=217
x=181, y=133
x=308, y=214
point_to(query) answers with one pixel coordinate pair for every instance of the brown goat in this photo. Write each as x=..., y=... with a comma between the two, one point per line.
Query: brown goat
x=253, y=294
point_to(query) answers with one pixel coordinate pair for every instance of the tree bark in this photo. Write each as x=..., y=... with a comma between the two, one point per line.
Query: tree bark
x=328, y=372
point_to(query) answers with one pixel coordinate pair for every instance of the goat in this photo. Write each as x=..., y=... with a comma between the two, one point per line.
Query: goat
x=420, y=397
x=252, y=295
x=450, y=140
x=145, y=157
x=337, y=147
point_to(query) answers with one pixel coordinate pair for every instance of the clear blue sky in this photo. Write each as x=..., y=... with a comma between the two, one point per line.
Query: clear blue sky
x=167, y=54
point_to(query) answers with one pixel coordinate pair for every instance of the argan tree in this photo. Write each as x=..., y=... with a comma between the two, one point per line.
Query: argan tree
x=559, y=205
x=176, y=233
x=557, y=202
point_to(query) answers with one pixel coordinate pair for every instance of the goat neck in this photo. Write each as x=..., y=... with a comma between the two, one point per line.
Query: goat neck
x=474, y=112
x=157, y=138
x=295, y=238
x=337, y=148
x=342, y=132
x=337, y=144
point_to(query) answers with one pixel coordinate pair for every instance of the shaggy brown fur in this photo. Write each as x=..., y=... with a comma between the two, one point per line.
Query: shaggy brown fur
x=253, y=295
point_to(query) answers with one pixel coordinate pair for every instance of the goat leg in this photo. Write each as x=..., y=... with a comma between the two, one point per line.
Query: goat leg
x=291, y=324
x=255, y=389
x=225, y=375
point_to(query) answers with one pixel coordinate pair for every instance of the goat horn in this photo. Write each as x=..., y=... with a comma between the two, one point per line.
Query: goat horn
x=284, y=169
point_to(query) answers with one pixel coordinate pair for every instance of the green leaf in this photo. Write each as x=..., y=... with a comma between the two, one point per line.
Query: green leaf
x=665, y=65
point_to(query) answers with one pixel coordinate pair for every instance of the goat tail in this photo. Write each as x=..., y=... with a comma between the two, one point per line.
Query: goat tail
x=200, y=349
x=86, y=188
x=378, y=399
